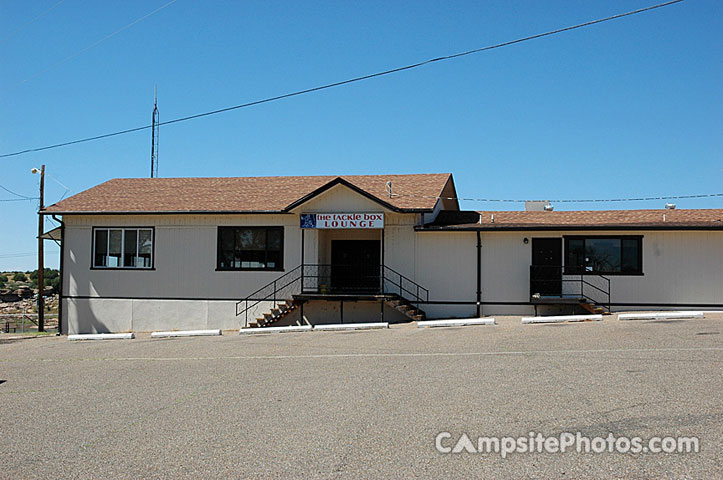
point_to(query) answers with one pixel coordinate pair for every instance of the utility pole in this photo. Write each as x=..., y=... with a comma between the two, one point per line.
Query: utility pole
x=41, y=263
x=155, y=133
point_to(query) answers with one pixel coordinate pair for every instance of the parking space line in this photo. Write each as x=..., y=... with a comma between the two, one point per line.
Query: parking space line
x=391, y=355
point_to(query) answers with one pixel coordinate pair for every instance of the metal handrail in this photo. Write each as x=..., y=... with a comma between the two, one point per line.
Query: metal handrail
x=402, y=278
x=582, y=281
x=270, y=292
x=272, y=295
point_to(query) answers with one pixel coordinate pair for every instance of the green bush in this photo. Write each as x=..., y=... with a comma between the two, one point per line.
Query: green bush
x=52, y=281
x=19, y=277
x=55, y=283
x=3, y=278
x=49, y=273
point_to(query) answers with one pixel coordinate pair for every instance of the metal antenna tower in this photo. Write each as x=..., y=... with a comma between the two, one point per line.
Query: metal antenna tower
x=155, y=133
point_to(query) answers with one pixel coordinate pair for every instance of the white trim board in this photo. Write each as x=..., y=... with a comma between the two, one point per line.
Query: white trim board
x=456, y=322
x=262, y=330
x=351, y=326
x=562, y=318
x=186, y=333
x=659, y=315
x=102, y=336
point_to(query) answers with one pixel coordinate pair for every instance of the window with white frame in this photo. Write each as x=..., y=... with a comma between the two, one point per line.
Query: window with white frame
x=122, y=247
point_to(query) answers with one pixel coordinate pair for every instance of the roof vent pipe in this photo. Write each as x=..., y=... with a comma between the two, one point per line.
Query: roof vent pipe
x=493, y=218
x=389, y=188
x=480, y=219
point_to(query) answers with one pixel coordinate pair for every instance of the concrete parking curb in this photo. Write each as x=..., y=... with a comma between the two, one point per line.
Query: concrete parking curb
x=263, y=330
x=102, y=336
x=457, y=322
x=659, y=315
x=562, y=318
x=351, y=326
x=186, y=333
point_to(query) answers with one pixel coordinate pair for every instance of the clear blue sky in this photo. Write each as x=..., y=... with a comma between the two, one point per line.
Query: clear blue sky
x=627, y=108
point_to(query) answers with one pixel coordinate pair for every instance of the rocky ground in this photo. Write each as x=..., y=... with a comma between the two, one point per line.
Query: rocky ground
x=18, y=297
x=29, y=305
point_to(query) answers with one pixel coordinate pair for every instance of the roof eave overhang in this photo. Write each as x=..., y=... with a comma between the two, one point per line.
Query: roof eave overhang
x=204, y=212
x=546, y=228
x=170, y=212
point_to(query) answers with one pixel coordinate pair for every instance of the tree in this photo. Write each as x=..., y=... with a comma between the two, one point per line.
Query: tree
x=55, y=283
x=50, y=273
x=51, y=278
x=19, y=277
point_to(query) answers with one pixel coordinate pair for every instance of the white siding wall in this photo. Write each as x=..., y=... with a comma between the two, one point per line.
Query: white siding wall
x=184, y=268
x=678, y=267
x=446, y=264
x=185, y=257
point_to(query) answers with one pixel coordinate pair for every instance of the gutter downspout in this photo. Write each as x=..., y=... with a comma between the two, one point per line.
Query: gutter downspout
x=62, y=275
x=479, y=272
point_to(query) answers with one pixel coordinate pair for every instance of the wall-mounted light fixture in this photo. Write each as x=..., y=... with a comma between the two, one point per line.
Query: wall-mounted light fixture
x=526, y=241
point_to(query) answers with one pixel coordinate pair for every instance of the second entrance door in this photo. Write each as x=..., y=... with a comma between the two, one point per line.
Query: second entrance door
x=546, y=271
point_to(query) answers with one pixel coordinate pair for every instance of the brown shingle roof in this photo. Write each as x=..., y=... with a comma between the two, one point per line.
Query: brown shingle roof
x=242, y=194
x=585, y=219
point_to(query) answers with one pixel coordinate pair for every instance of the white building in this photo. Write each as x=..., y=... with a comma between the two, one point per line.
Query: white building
x=187, y=253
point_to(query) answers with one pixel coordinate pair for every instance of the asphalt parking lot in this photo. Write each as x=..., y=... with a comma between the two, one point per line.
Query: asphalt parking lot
x=362, y=404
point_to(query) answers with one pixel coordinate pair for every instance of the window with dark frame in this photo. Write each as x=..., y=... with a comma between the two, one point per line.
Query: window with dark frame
x=250, y=248
x=604, y=255
x=122, y=247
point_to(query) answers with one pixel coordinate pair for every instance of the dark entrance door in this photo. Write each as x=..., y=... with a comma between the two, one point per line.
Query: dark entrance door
x=546, y=270
x=355, y=266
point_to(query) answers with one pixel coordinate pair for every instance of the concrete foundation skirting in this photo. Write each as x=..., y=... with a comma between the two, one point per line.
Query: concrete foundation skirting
x=102, y=336
x=351, y=326
x=562, y=318
x=456, y=322
x=186, y=333
x=263, y=330
x=659, y=315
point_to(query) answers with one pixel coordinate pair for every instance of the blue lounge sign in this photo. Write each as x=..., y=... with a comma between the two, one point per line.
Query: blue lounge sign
x=342, y=220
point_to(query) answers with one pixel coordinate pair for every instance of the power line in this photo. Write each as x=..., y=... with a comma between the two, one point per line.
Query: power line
x=17, y=255
x=18, y=199
x=28, y=23
x=587, y=200
x=343, y=82
x=24, y=197
x=95, y=44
